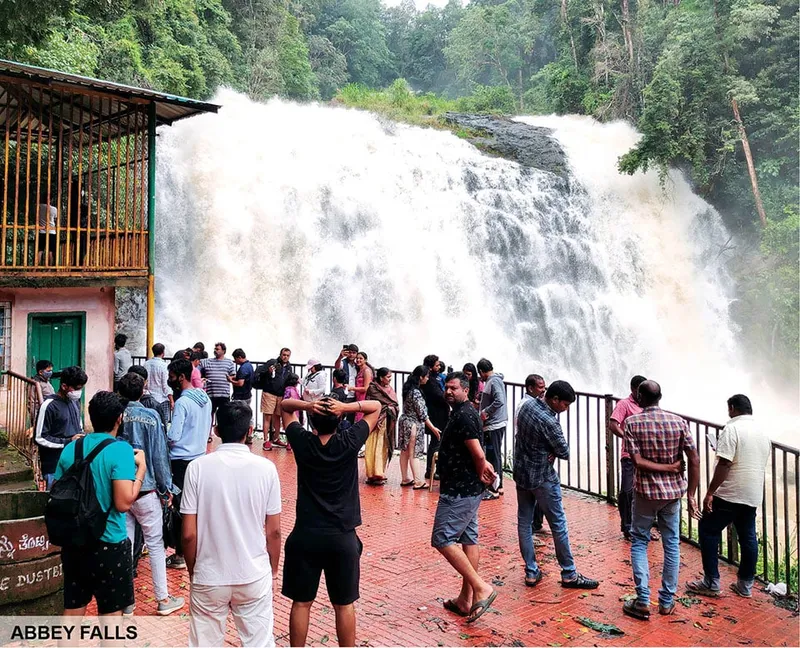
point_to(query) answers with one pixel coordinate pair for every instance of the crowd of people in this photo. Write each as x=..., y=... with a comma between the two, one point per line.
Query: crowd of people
x=224, y=506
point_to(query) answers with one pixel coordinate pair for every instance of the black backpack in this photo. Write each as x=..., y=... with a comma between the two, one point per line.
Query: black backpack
x=73, y=516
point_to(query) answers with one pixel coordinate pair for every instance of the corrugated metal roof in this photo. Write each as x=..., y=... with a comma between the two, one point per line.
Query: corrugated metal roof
x=169, y=108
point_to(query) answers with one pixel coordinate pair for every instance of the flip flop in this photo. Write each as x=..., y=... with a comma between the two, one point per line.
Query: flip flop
x=450, y=606
x=422, y=486
x=479, y=609
x=410, y=482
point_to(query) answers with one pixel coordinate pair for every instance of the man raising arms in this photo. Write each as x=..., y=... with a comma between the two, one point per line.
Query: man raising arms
x=328, y=512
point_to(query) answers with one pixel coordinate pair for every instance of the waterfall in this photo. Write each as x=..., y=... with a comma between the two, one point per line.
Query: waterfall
x=312, y=226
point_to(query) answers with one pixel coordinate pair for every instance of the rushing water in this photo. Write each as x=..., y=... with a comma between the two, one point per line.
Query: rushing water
x=311, y=227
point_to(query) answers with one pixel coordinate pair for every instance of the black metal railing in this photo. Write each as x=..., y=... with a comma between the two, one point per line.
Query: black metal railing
x=594, y=468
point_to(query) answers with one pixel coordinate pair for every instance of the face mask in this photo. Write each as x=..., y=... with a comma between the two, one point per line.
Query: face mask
x=75, y=395
x=173, y=384
x=47, y=375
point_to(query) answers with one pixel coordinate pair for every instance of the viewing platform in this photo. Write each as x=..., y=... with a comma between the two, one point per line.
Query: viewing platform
x=404, y=580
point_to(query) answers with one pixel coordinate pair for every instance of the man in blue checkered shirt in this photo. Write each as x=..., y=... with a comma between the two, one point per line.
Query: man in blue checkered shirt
x=539, y=442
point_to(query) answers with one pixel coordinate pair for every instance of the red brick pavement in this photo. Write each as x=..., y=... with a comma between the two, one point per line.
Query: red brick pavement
x=404, y=580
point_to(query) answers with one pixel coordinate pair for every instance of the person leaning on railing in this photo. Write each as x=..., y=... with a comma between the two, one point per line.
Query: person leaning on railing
x=736, y=489
x=41, y=389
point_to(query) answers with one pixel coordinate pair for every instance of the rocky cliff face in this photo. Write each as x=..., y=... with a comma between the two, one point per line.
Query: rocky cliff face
x=530, y=146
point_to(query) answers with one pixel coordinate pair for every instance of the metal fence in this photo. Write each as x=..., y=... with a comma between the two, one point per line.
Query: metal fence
x=594, y=468
x=23, y=397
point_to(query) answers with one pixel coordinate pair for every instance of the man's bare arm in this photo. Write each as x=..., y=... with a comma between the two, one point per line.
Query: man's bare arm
x=189, y=538
x=272, y=530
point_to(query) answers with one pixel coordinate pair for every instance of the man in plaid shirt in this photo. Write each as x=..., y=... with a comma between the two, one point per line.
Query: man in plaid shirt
x=539, y=441
x=656, y=441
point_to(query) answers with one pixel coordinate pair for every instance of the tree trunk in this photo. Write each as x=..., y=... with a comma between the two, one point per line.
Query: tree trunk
x=626, y=30
x=565, y=22
x=751, y=167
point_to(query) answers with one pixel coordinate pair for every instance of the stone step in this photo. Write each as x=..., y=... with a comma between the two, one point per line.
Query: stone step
x=21, y=485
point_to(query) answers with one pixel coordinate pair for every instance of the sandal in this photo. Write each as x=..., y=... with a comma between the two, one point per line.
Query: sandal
x=410, y=482
x=636, y=610
x=421, y=486
x=666, y=610
x=479, y=609
x=451, y=606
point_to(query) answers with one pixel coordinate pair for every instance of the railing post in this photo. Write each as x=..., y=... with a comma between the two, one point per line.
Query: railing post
x=611, y=475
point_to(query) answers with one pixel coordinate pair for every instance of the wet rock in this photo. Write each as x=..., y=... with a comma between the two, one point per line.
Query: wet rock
x=530, y=146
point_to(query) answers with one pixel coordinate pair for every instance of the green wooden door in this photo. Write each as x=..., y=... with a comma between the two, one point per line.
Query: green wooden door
x=57, y=338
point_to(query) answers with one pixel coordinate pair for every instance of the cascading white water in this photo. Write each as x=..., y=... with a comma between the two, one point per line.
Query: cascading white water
x=312, y=227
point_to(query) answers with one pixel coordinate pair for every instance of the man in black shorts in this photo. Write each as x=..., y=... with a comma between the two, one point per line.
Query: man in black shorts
x=328, y=511
x=103, y=570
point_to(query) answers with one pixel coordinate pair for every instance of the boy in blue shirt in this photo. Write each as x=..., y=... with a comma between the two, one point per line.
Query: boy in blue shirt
x=104, y=569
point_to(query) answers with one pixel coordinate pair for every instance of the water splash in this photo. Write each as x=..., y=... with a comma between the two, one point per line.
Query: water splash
x=312, y=226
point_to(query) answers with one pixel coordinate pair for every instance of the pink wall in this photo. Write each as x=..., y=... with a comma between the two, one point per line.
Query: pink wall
x=97, y=303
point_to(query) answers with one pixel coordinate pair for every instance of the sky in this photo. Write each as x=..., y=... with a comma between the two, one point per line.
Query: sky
x=421, y=4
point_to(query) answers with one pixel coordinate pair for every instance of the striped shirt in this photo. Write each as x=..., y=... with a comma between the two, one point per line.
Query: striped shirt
x=215, y=372
x=660, y=437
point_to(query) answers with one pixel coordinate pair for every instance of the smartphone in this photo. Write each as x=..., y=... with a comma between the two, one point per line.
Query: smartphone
x=344, y=346
x=496, y=482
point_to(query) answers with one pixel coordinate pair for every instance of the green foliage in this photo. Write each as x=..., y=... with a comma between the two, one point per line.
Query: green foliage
x=489, y=99
x=396, y=102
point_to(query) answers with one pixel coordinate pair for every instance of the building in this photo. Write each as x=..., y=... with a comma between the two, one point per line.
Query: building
x=77, y=190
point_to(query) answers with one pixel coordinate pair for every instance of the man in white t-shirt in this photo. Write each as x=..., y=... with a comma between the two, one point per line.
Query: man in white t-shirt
x=231, y=535
x=736, y=490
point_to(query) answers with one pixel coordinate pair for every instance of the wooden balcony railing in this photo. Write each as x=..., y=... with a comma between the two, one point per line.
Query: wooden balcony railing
x=73, y=182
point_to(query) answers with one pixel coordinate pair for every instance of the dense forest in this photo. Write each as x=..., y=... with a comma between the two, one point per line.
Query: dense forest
x=711, y=84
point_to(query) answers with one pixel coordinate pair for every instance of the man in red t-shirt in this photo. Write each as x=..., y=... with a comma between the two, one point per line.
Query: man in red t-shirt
x=625, y=408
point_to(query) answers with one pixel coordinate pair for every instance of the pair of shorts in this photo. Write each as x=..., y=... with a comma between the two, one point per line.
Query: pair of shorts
x=270, y=403
x=456, y=521
x=217, y=402
x=307, y=555
x=104, y=570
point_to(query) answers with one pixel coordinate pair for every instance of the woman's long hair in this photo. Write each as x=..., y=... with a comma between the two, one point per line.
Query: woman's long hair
x=474, y=382
x=412, y=382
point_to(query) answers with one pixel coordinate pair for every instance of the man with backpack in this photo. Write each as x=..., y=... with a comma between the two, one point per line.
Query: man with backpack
x=142, y=428
x=59, y=420
x=96, y=482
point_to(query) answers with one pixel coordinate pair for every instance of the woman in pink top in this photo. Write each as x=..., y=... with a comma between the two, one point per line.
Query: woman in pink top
x=290, y=391
x=197, y=379
x=363, y=380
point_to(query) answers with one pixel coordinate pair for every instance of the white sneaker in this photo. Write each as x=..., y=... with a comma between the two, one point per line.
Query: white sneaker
x=172, y=603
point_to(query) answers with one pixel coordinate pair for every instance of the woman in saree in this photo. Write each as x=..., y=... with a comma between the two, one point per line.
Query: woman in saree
x=363, y=379
x=412, y=427
x=380, y=442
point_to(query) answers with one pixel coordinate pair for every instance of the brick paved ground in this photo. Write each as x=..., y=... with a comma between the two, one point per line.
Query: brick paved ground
x=404, y=581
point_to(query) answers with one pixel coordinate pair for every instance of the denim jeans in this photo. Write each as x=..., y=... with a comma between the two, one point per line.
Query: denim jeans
x=668, y=514
x=48, y=480
x=625, y=497
x=548, y=498
x=147, y=511
x=494, y=450
x=722, y=515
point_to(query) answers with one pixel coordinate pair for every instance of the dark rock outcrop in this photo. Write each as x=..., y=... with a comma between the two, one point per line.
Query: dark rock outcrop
x=530, y=146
